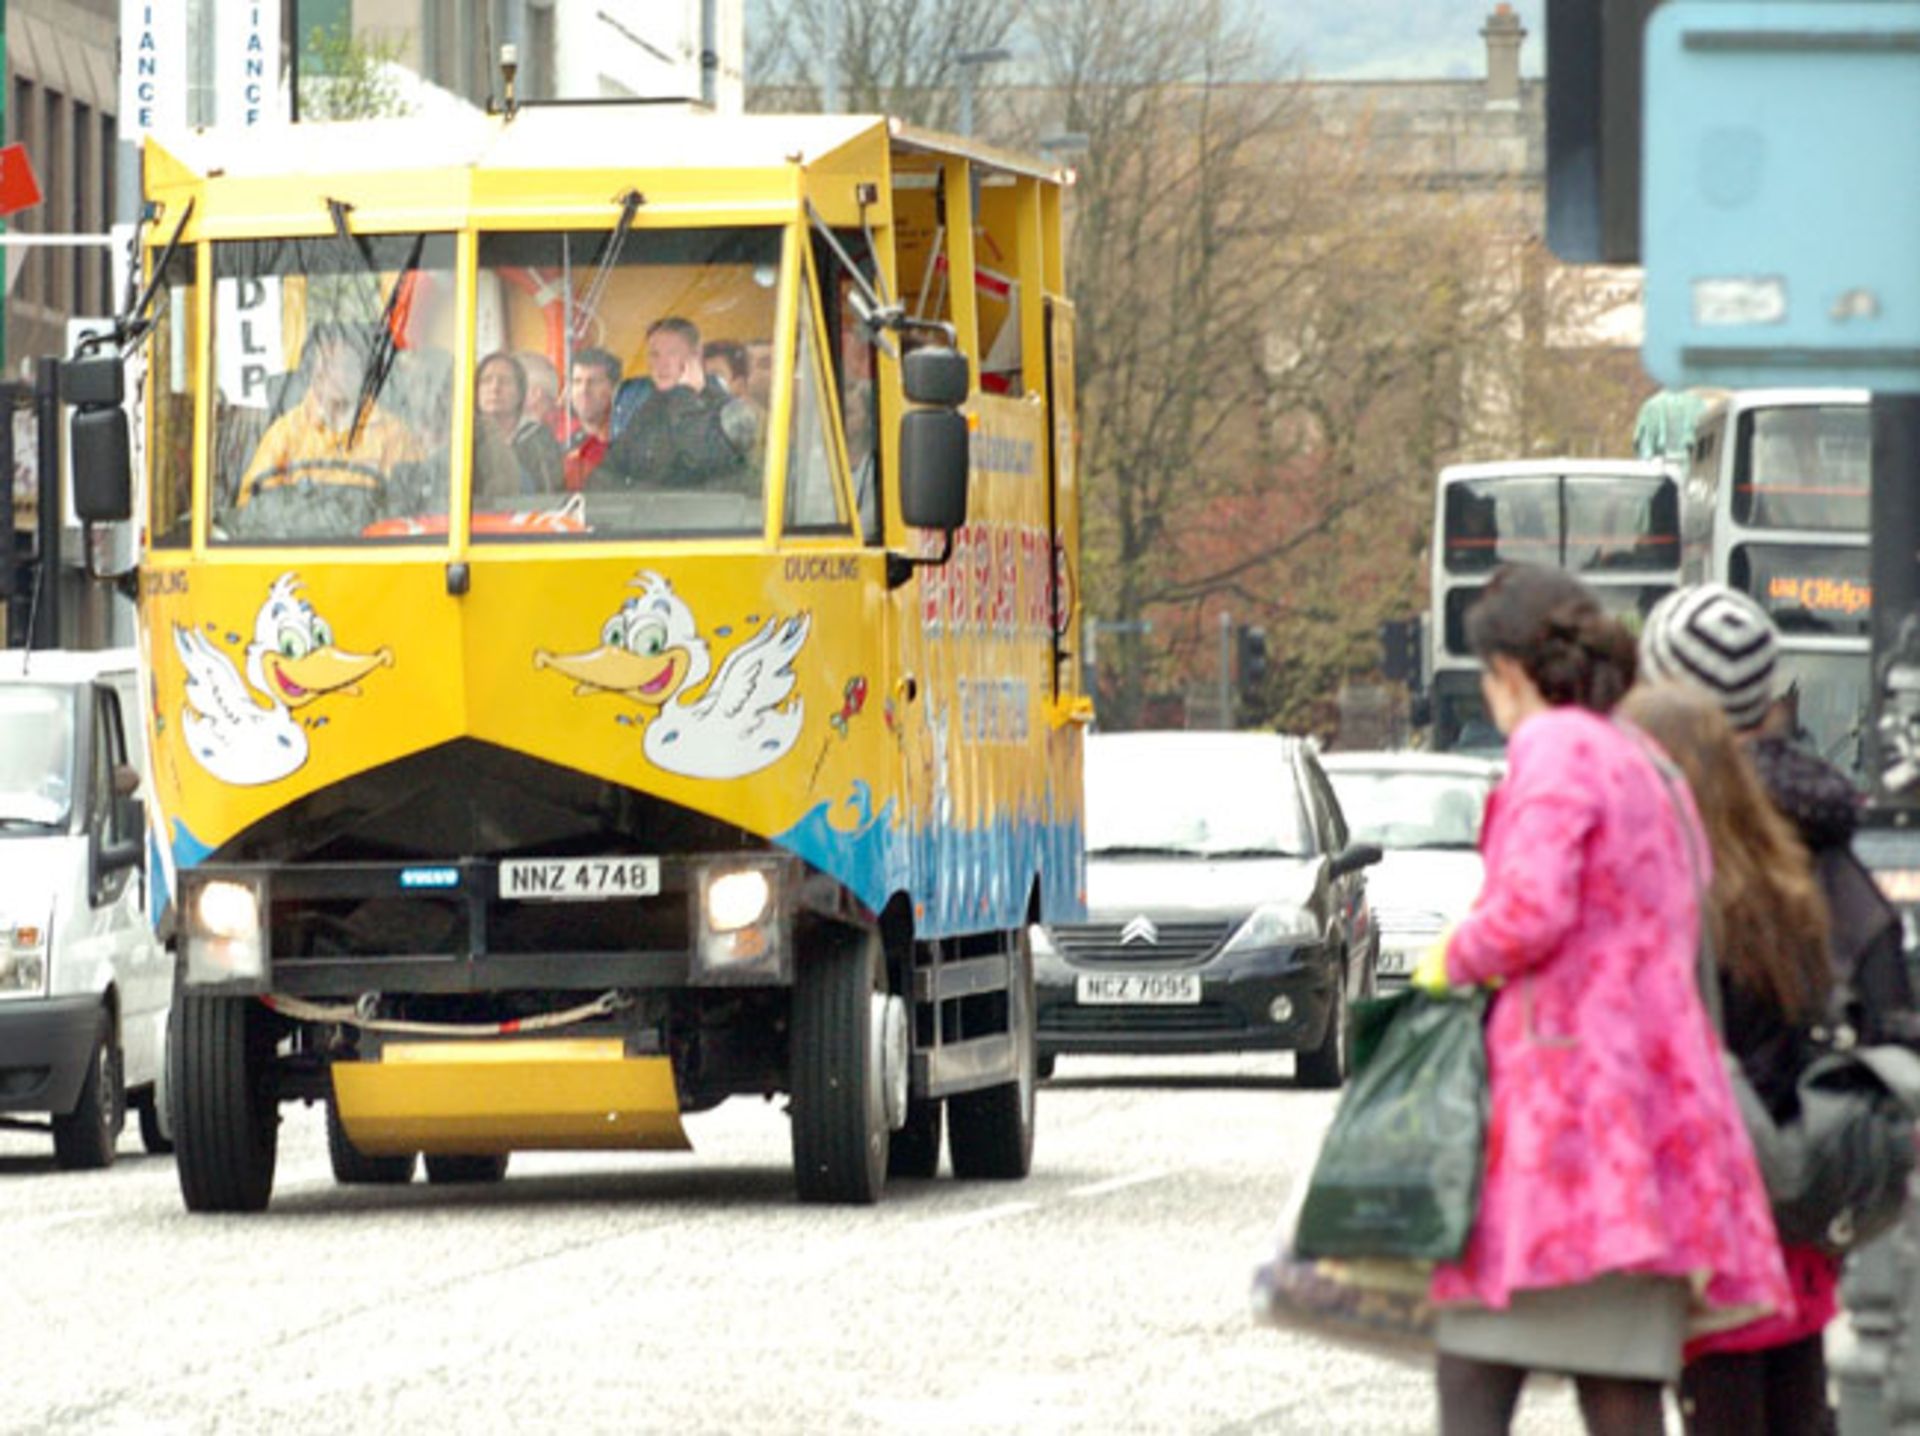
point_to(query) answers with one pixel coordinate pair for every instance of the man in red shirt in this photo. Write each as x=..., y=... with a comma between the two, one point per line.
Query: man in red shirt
x=594, y=381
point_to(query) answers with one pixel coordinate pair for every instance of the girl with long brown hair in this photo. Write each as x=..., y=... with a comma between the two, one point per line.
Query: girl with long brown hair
x=1768, y=923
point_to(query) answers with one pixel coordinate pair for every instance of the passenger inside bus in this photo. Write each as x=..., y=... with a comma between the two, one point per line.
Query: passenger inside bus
x=512, y=454
x=1473, y=545
x=323, y=468
x=593, y=383
x=543, y=404
x=684, y=431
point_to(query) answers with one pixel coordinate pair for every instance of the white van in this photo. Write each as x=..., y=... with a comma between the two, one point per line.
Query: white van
x=84, y=985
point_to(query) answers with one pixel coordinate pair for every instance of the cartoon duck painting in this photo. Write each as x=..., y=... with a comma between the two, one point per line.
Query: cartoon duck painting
x=244, y=732
x=652, y=653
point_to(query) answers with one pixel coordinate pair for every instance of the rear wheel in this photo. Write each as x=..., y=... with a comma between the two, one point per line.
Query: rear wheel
x=353, y=1167
x=1325, y=1066
x=841, y=1010
x=84, y=1138
x=226, y=1107
x=990, y=1132
x=442, y=1171
x=914, y=1151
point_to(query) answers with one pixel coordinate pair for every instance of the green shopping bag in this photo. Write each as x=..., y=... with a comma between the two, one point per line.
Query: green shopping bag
x=1399, y=1172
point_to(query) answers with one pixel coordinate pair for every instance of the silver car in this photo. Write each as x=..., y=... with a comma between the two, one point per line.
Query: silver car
x=1424, y=810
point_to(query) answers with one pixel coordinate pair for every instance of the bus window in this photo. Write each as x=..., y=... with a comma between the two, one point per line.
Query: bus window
x=1803, y=467
x=175, y=342
x=1618, y=523
x=332, y=380
x=645, y=440
x=1509, y=520
x=1826, y=696
x=814, y=502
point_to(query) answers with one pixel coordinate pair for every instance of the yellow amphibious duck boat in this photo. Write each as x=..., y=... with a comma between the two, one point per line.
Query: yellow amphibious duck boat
x=605, y=588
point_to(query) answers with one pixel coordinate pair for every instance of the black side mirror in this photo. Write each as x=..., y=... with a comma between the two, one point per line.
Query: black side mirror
x=101, y=454
x=935, y=451
x=935, y=375
x=1354, y=857
x=105, y=858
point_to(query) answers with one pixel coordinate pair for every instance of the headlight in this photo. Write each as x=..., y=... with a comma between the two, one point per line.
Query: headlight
x=737, y=899
x=1275, y=925
x=1039, y=943
x=225, y=941
x=742, y=935
x=23, y=960
x=227, y=910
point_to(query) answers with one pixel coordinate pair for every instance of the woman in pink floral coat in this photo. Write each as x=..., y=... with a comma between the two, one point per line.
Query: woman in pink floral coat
x=1620, y=1206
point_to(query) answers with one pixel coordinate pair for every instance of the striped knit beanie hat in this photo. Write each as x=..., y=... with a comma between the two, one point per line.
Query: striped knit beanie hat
x=1718, y=638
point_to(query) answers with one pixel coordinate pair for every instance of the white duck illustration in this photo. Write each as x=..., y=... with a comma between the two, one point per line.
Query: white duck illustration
x=292, y=661
x=651, y=652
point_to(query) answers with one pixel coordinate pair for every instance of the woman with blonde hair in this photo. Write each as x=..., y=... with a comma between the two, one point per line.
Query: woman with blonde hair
x=1768, y=925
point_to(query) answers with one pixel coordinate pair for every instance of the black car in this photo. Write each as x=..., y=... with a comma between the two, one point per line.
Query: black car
x=1226, y=908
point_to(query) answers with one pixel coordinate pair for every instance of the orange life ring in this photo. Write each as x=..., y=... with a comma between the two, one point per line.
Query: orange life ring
x=544, y=288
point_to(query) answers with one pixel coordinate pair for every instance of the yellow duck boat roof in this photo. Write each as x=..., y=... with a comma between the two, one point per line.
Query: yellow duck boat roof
x=544, y=162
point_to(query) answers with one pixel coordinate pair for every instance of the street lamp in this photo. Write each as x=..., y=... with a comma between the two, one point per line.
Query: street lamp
x=1063, y=148
x=969, y=62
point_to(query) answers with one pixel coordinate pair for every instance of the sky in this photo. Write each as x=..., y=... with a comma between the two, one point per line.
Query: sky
x=1368, y=39
x=1392, y=39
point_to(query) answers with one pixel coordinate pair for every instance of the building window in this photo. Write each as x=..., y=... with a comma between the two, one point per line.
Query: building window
x=79, y=191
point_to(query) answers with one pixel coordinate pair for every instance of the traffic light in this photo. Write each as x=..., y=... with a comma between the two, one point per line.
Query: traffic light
x=1253, y=663
x=1400, y=650
x=1593, y=128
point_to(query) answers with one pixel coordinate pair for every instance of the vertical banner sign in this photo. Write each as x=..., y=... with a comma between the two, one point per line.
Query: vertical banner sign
x=246, y=58
x=153, y=67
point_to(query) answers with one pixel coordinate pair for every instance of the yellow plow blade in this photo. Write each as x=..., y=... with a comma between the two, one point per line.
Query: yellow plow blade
x=479, y=1098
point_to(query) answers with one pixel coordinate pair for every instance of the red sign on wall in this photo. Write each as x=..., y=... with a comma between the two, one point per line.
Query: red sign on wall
x=19, y=186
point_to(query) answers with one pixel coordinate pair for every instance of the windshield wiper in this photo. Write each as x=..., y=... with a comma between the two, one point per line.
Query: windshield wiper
x=589, y=304
x=386, y=346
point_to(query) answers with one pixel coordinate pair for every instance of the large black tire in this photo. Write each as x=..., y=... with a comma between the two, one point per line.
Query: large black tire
x=1325, y=1066
x=990, y=1132
x=153, y=1129
x=226, y=1108
x=840, y=1138
x=84, y=1139
x=353, y=1167
x=914, y=1151
x=442, y=1171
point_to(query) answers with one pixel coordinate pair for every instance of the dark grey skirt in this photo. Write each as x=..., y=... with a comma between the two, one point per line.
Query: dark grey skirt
x=1617, y=1325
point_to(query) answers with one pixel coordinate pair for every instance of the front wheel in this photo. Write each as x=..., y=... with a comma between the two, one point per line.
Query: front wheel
x=226, y=1106
x=84, y=1139
x=838, y=1061
x=990, y=1132
x=353, y=1167
x=1325, y=1066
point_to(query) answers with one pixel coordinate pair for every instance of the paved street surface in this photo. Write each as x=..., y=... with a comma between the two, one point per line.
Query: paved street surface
x=690, y=1294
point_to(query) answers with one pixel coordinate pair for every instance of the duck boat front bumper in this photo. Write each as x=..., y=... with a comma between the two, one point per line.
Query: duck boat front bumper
x=482, y=1098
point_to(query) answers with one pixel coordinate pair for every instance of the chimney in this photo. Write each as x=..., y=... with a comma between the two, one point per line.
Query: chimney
x=1503, y=34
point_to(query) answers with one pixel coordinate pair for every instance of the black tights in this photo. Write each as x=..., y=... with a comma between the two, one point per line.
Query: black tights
x=1781, y=1391
x=1477, y=1398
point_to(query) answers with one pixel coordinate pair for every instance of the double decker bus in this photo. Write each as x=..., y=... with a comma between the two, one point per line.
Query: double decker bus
x=1778, y=484
x=1615, y=522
